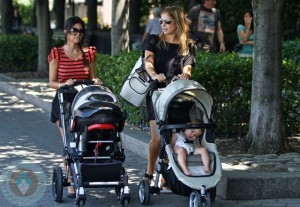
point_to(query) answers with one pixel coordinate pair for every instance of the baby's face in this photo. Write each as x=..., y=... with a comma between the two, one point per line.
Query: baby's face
x=192, y=134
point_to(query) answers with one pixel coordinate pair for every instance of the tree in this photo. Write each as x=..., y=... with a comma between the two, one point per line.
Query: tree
x=6, y=16
x=44, y=34
x=59, y=8
x=92, y=15
x=119, y=28
x=266, y=132
x=135, y=16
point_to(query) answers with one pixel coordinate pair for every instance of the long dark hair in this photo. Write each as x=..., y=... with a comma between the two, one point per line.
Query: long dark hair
x=69, y=23
x=243, y=21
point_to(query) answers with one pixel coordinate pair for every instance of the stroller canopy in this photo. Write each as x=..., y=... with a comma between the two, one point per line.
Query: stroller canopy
x=91, y=94
x=187, y=89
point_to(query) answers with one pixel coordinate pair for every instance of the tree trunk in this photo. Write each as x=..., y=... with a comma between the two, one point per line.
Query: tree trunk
x=59, y=10
x=34, y=19
x=92, y=15
x=119, y=29
x=6, y=14
x=135, y=16
x=44, y=36
x=266, y=132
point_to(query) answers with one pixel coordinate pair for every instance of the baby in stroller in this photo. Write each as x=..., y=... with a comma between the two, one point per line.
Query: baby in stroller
x=187, y=142
x=175, y=107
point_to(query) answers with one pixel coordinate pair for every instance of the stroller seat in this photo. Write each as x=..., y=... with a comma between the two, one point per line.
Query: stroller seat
x=194, y=163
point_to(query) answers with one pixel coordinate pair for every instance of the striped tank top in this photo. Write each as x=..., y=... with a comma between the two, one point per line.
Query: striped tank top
x=69, y=68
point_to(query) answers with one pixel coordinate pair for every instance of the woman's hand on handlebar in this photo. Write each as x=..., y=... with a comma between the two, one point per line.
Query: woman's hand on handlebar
x=97, y=81
x=70, y=82
x=184, y=76
x=159, y=77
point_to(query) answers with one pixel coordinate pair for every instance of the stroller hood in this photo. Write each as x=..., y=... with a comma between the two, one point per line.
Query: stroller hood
x=190, y=88
x=92, y=94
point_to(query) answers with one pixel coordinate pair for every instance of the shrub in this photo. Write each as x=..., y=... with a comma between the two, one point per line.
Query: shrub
x=226, y=77
x=18, y=53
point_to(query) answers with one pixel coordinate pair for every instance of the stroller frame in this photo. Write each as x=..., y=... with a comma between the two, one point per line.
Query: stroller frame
x=201, y=189
x=89, y=171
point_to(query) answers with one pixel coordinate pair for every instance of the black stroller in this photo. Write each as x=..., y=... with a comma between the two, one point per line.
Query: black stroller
x=92, y=123
x=175, y=106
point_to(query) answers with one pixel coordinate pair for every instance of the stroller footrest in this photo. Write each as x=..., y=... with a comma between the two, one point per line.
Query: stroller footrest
x=103, y=183
x=100, y=158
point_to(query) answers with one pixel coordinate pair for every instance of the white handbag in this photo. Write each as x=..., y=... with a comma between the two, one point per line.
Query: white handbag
x=136, y=85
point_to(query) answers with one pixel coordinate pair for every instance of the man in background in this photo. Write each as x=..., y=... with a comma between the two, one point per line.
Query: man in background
x=205, y=27
x=153, y=26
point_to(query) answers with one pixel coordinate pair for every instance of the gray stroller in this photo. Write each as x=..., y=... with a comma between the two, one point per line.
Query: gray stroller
x=175, y=106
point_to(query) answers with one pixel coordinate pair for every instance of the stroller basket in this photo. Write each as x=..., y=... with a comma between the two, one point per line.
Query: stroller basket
x=100, y=172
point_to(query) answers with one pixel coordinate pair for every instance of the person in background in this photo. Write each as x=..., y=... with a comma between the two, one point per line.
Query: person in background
x=69, y=63
x=205, y=27
x=169, y=54
x=17, y=22
x=245, y=34
x=153, y=27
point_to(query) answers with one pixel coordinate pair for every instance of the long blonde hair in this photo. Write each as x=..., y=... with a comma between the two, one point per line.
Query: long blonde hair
x=177, y=15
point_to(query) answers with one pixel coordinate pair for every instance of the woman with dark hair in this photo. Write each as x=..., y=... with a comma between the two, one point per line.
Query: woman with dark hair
x=69, y=63
x=169, y=54
x=245, y=34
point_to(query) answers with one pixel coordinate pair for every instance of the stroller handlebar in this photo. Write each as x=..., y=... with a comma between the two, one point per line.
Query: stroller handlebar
x=85, y=82
x=211, y=125
x=71, y=89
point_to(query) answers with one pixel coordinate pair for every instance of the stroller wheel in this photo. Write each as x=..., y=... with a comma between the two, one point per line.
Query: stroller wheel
x=57, y=184
x=144, y=192
x=196, y=200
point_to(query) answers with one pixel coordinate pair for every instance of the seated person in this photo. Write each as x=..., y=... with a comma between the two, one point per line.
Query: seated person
x=183, y=149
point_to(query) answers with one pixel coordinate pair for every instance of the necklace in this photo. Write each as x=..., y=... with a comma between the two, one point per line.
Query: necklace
x=72, y=54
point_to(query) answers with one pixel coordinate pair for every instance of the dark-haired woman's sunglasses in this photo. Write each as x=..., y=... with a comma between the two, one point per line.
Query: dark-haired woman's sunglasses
x=166, y=21
x=75, y=31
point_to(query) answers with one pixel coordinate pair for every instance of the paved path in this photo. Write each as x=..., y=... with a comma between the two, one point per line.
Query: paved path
x=27, y=135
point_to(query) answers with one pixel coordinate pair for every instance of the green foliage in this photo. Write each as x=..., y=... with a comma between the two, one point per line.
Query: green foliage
x=18, y=53
x=113, y=71
x=227, y=77
x=291, y=50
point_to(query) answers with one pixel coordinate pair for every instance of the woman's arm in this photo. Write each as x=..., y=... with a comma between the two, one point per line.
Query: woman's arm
x=53, y=81
x=149, y=67
x=96, y=80
x=186, y=72
x=244, y=35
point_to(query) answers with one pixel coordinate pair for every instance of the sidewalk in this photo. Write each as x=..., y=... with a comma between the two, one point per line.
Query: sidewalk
x=245, y=176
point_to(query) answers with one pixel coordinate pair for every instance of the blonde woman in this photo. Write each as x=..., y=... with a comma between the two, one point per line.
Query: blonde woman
x=169, y=54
